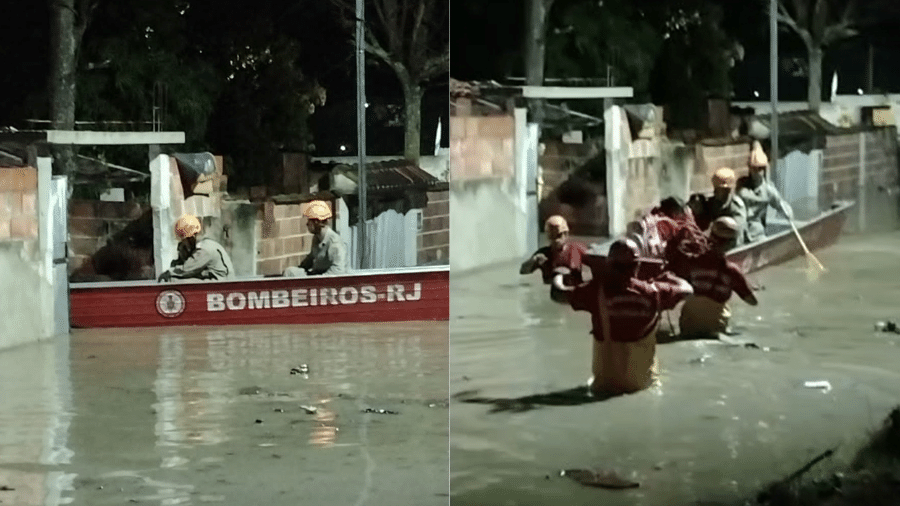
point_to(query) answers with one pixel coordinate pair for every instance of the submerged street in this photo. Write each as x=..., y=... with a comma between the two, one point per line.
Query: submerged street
x=726, y=420
x=205, y=416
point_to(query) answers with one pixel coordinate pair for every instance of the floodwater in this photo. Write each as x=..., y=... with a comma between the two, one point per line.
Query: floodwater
x=725, y=421
x=214, y=416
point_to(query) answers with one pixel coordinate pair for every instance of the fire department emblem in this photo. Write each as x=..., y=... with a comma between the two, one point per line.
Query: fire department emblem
x=170, y=303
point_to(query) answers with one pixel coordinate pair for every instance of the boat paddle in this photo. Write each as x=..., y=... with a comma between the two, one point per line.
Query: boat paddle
x=810, y=258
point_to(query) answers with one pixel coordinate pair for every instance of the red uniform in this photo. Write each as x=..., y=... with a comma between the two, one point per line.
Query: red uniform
x=571, y=256
x=634, y=310
x=716, y=278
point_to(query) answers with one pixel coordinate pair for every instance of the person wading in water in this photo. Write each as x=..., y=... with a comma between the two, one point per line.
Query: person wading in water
x=328, y=254
x=203, y=259
x=705, y=313
x=625, y=314
x=561, y=252
x=758, y=194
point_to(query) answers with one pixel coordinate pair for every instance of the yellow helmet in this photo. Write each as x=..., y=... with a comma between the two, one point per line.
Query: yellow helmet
x=317, y=210
x=557, y=223
x=187, y=226
x=724, y=178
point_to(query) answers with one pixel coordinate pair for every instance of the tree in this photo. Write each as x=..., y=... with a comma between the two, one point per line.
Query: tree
x=694, y=61
x=588, y=40
x=819, y=24
x=69, y=20
x=412, y=38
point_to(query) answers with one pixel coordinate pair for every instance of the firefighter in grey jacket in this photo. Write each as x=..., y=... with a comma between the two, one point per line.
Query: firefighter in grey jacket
x=328, y=254
x=197, y=259
x=758, y=195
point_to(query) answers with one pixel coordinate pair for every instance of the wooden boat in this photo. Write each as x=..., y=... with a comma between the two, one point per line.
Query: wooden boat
x=779, y=246
x=411, y=294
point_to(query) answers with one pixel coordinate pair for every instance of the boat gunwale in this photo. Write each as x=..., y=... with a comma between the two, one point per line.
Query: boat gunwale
x=838, y=207
x=147, y=283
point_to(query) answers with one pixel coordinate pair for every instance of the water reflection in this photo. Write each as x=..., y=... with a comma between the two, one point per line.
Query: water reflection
x=113, y=416
x=325, y=432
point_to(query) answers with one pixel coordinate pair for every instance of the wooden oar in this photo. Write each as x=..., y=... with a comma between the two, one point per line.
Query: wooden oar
x=809, y=256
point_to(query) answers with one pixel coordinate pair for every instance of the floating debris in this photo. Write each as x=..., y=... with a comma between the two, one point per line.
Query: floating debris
x=701, y=359
x=258, y=420
x=6, y=488
x=303, y=369
x=310, y=410
x=887, y=326
x=251, y=390
x=600, y=478
x=380, y=411
x=278, y=410
x=824, y=385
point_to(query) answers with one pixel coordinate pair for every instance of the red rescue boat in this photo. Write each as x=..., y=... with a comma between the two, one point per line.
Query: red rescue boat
x=375, y=296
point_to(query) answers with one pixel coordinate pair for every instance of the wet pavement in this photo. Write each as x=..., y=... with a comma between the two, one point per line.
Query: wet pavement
x=726, y=419
x=215, y=416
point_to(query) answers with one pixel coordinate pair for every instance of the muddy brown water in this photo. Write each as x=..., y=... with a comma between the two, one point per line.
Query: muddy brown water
x=725, y=421
x=170, y=417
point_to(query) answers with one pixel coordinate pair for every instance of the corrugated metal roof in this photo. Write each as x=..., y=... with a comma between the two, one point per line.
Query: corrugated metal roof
x=393, y=175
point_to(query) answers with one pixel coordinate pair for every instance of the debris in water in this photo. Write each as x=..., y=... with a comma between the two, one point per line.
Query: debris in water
x=380, y=411
x=258, y=420
x=92, y=356
x=250, y=391
x=887, y=326
x=600, y=478
x=310, y=410
x=6, y=488
x=278, y=410
x=823, y=384
x=303, y=369
x=466, y=378
x=701, y=359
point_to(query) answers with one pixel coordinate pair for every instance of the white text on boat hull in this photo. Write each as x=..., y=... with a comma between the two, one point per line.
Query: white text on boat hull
x=305, y=297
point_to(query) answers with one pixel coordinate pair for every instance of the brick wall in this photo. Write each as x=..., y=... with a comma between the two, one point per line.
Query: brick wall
x=92, y=224
x=283, y=239
x=434, y=239
x=839, y=179
x=18, y=203
x=709, y=159
x=481, y=146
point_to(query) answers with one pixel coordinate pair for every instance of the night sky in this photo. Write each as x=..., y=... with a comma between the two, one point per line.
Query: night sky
x=500, y=26
x=326, y=55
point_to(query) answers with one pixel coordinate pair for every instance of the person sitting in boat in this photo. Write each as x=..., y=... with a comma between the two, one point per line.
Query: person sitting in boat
x=678, y=210
x=625, y=314
x=705, y=313
x=561, y=252
x=758, y=194
x=724, y=202
x=197, y=259
x=328, y=254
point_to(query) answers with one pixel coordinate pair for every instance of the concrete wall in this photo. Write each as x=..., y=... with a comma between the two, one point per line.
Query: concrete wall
x=26, y=277
x=487, y=224
x=25, y=302
x=433, y=242
x=487, y=221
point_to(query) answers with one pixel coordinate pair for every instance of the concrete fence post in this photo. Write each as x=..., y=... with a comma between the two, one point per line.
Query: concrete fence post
x=861, y=206
x=163, y=223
